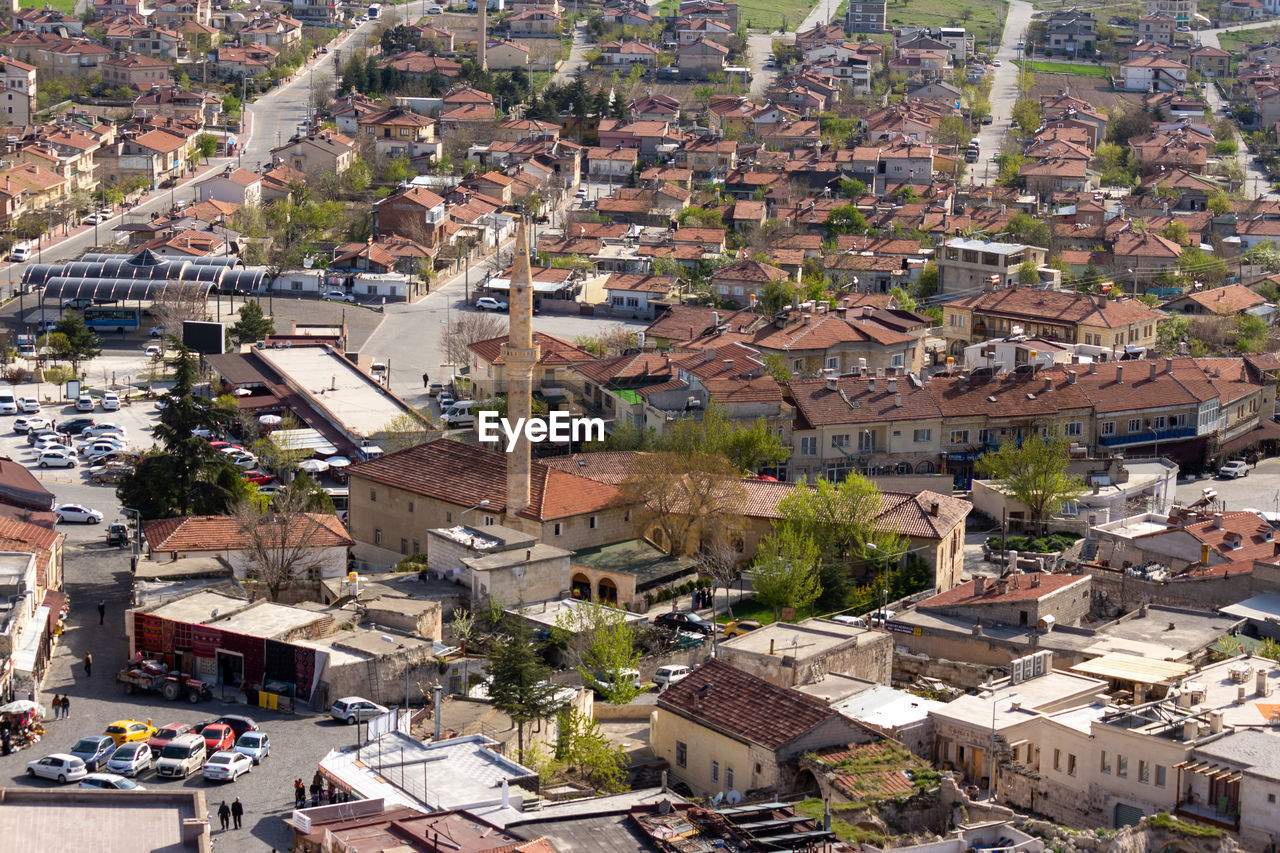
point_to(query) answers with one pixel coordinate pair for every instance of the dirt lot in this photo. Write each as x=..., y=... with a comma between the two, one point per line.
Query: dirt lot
x=1095, y=91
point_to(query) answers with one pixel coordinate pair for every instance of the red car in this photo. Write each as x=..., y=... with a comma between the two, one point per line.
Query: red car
x=258, y=477
x=218, y=736
x=166, y=734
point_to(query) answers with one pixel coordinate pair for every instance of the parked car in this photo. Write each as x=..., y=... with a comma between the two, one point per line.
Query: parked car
x=118, y=534
x=488, y=303
x=256, y=745
x=86, y=403
x=1234, y=469
x=181, y=756
x=157, y=332
x=685, y=622
x=28, y=351
x=29, y=405
x=605, y=683
x=855, y=621
x=738, y=627
x=34, y=435
x=354, y=709
x=434, y=389
x=55, y=459
x=104, y=428
x=78, y=513
x=239, y=724
x=59, y=767
x=95, y=218
x=26, y=423
x=665, y=676
x=8, y=403
x=167, y=733
x=100, y=446
x=110, y=782
x=337, y=296
x=111, y=401
x=244, y=460
x=79, y=303
x=128, y=731
x=257, y=477
x=217, y=737
x=996, y=63
x=226, y=765
x=94, y=750
x=154, y=351
x=131, y=759
x=75, y=426
x=878, y=619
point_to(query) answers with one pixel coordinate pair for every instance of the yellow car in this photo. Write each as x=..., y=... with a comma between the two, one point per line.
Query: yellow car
x=738, y=627
x=127, y=731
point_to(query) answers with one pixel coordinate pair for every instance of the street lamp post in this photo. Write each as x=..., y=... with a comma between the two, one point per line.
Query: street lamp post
x=1155, y=435
x=386, y=638
x=484, y=502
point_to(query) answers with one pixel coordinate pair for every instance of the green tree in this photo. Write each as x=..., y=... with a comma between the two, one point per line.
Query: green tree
x=1028, y=274
x=588, y=755
x=185, y=475
x=207, y=145
x=1195, y=264
x=1026, y=114
x=81, y=343
x=1177, y=232
x=1251, y=334
x=902, y=299
x=252, y=324
x=1027, y=229
x=927, y=284
x=608, y=648
x=519, y=684
x=846, y=219
x=1034, y=473
x=1219, y=203
x=747, y=447
x=787, y=570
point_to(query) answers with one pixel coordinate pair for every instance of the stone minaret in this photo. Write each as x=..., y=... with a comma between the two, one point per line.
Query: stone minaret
x=520, y=357
x=482, y=8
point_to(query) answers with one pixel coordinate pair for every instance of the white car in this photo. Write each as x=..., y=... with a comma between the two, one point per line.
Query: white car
x=256, y=745
x=227, y=766
x=996, y=63
x=103, y=429
x=101, y=446
x=59, y=767
x=154, y=351
x=130, y=759
x=95, y=218
x=55, y=459
x=488, y=303
x=111, y=401
x=157, y=332
x=29, y=405
x=26, y=423
x=665, y=676
x=110, y=782
x=47, y=442
x=355, y=709
x=78, y=513
x=1234, y=469
x=245, y=461
x=337, y=296
x=86, y=403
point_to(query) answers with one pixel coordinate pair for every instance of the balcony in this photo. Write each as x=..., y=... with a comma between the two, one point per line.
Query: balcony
x=1147, y=437
x=1208, y=814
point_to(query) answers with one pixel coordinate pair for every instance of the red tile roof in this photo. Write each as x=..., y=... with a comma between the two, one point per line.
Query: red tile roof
x=962, y=595
x=227, y=533
x=744, y=707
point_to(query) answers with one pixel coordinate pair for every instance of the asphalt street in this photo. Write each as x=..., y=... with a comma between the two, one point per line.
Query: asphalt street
x=1004, y=87
x=1259, y=490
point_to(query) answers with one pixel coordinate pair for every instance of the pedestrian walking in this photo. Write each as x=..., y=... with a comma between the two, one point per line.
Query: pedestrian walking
x=88, y=663
x=224, y=815
x=299, y=793
x=315, y=793
x=426, y=381
x=102, y=610
x=57, y=707
x=237, y=812
x=66, y=707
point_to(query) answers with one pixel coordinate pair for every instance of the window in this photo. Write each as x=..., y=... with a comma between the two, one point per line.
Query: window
x=592, y=522
x=986, y=436
x=404, y=546
x=1057, y=759
x=1074, y=429
x=1271, y=798
x=682, y=753
x=833, y=363
x=1178, y=421
x=373, y=496
x=377, y=536
x=1108, y=427
x=1158, y=422
x=556, y=529
x=417, y=547
x=1144, y=772
x=867, y=441
x=489, y=519
x=897, y=360
x=715, y=771
x=410, y=506
x=1105, y=764
x=1122, y=767
x=448, y=518
x=809, y=445
x=1135, y=425
x=797, y=365
x=1160, y=775
x=959, y=436
x=841, y=440
x=1071, y=764
x=728, y=778
x=923, y=435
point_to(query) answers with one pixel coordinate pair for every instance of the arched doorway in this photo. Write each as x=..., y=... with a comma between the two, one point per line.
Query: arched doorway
x=580, y=586
x=926, y=467
x=607, y=591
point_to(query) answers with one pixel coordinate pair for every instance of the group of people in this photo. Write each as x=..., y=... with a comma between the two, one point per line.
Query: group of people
x=228, y=813
x=321, y=794
x=61, y=707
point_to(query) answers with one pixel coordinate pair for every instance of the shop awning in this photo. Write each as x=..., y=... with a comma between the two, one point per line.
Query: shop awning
x=27, y=655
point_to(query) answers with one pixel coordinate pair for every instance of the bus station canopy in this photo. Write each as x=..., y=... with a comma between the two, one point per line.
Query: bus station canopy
x=140, y=276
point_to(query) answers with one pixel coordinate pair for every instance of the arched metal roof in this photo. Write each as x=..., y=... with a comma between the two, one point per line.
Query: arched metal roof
x=60, y=287
x=140, y=275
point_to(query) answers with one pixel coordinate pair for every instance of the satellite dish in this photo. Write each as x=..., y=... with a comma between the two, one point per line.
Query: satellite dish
x=734, y=798
x=307, y=263
x=718, y=798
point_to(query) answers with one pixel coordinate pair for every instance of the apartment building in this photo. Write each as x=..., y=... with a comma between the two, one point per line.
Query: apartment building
x=866, y=17
x=18, y=80
x=972, y=266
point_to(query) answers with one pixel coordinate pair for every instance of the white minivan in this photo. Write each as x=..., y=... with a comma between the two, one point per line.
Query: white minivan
x=461, y=413
x=8, y=403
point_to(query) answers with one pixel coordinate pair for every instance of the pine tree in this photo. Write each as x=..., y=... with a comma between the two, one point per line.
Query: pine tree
x=253, y=324
x=518, y=681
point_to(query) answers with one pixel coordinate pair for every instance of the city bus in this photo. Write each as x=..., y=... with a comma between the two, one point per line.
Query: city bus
x=112, y=318
x=374, y=9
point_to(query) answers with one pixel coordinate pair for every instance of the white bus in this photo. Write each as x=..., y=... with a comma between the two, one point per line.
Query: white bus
x=374, y=9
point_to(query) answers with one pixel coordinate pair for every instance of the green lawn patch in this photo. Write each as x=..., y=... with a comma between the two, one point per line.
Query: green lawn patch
x=67, y=7
x=983, y=18
x=1235, y=42
x=1078, y=68
x=769, y=15
x=747, y=608
x=813, y=809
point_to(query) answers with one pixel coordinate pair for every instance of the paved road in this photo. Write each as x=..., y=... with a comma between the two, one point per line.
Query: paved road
x=577, y=57
x=1256, y=491
x=1004, y=88
x=760, y=45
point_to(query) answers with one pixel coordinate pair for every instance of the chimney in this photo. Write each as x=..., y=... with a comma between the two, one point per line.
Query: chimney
x=1190, y=729
x=1048, y=384
x=979, y=585
x=1240, y=694
x=1217, y=521
x=1263, y=684
x=1035, y=580
x=728, y=364
x=897, y=399
x=1119, y=374
x=1153, y=371
x=1168, y=365
x=933, y=509
x=893, y=386
x=1071, y=377
x=1102, y=300
x=833, y=384
x=1093, y=367
x=871, y=385
x=1002, y=586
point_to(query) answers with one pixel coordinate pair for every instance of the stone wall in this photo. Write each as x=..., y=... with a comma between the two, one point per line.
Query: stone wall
x=908, y=667
x=1113, y=591
x=868, y=656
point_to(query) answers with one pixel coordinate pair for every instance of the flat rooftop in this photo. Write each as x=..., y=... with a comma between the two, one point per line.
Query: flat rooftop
x=336, y=388
x=71, y=820
x=887, y=707
x=1135, y=526
x=1081, y=719
x=1035, y=695
x=13, y=566
x=810, y=638
x=266, y=619
x=199, y=607
x=648, y=564
x=547, y=612
x=1175, y=627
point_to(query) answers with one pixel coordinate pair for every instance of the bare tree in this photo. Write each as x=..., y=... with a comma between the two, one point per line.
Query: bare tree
x=177, y=302
x=280, y=540
x=718, y=560
x=405, y=431
x=466, y=329
x=686, y=500
x=609, y=343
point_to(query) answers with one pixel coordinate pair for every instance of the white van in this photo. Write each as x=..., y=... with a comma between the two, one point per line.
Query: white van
x=8, y=403
x=461, y=413
x=20, y=252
